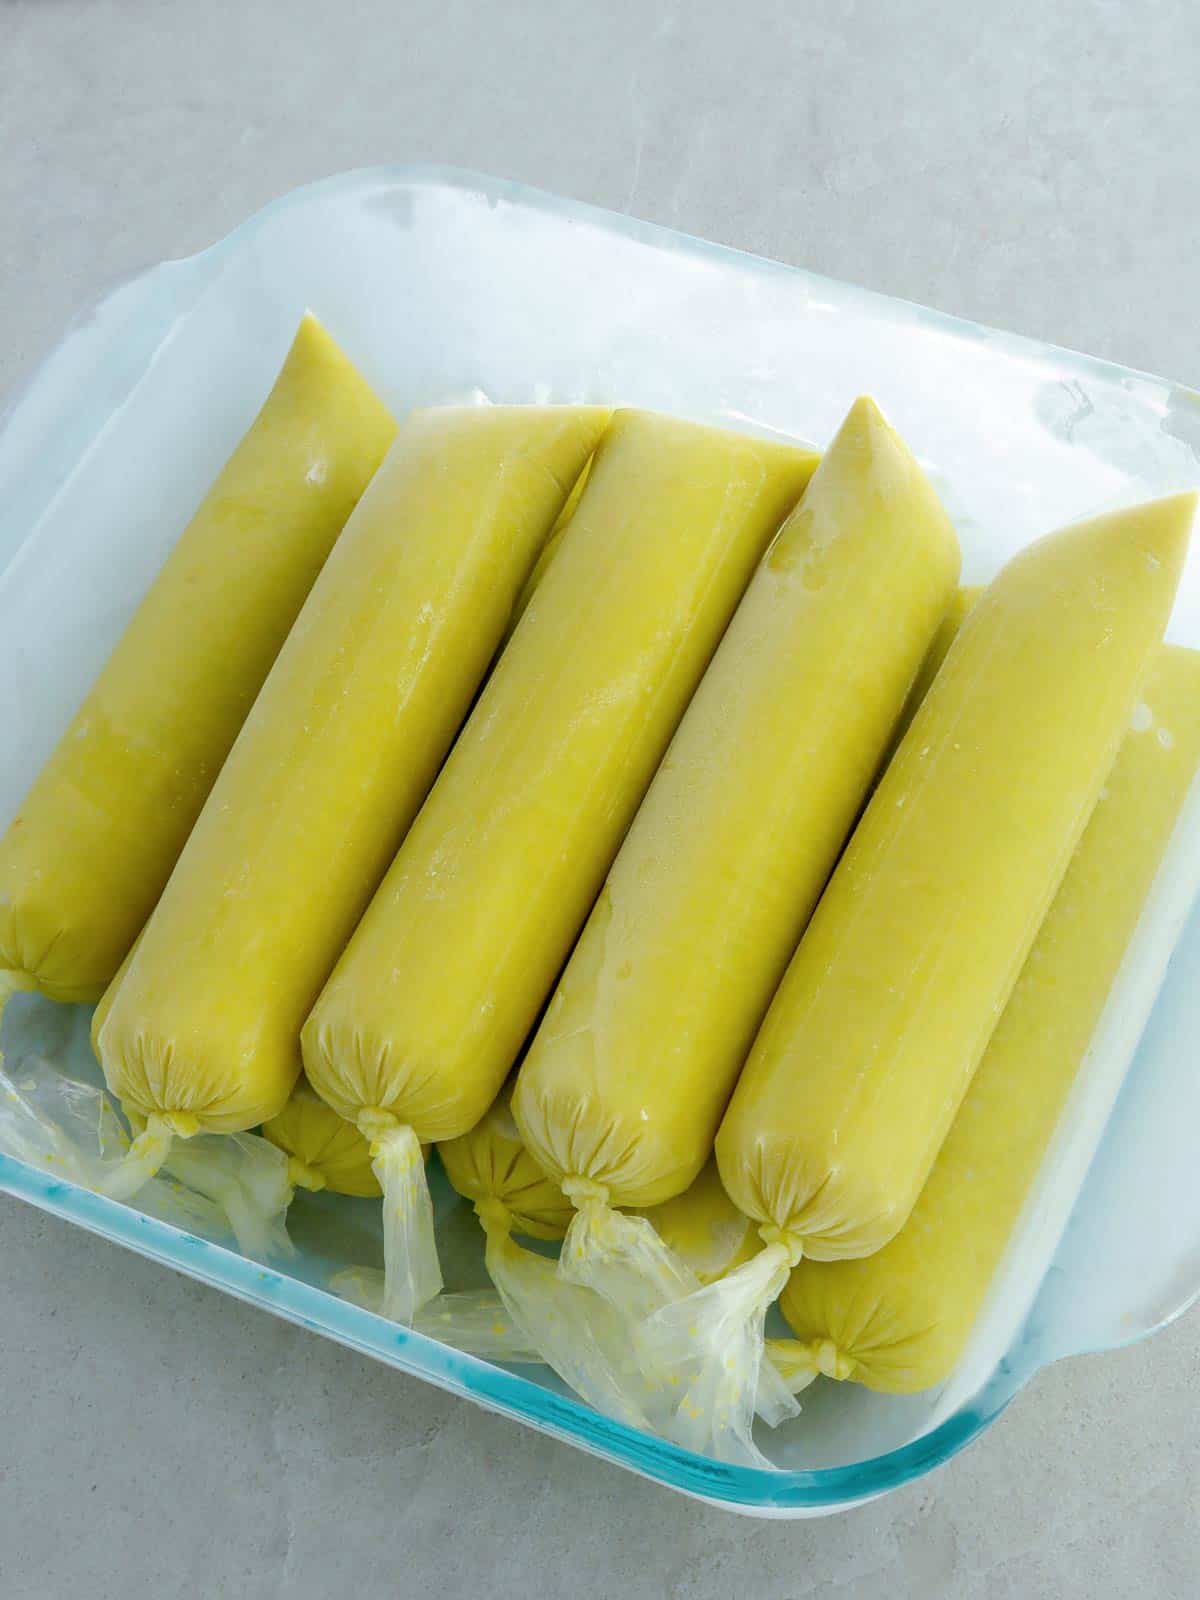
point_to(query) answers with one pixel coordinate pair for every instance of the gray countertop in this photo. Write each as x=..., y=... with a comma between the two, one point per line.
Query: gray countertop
x=159, y=1439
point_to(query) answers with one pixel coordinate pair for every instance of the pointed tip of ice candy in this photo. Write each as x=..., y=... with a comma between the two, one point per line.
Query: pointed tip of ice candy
x=867, y=421
x=1151, y=537
x=868, y=455
x=315, y=357
x=865, y=430
x=1158, y=529
x=314, y=341
x=865, y=413
x=316, y=362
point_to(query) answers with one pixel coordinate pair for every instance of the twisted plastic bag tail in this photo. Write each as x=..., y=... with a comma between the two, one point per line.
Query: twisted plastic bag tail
x=49, y=1120
x=573, y=1330
x=142, y=1161
x=625, y=1260
x=246, y=1178
x=707, y=1355
x=622, y=1258
x=412, y=1271
x=209, y=1183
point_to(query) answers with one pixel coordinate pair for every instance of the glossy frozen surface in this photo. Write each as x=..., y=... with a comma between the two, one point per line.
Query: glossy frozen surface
x=563, y=304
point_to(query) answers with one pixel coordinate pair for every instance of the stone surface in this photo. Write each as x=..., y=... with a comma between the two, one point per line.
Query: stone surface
x=159, y=1439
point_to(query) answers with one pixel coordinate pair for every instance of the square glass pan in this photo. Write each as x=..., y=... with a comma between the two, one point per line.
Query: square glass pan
x=446, y=286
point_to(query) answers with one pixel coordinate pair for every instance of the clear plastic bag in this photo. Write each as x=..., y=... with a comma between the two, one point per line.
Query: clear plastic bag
x=213, y=1185
x=584, y=1316
x=412, y=1271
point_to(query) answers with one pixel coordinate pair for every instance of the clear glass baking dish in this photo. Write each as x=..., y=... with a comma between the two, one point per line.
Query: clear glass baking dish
x=446, y=286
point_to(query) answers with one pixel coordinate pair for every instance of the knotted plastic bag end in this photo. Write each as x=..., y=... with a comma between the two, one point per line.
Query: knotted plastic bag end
x=801, y=1362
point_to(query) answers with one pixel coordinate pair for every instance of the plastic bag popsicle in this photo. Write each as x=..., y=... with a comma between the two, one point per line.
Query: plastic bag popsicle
x=909, y=960
x=88, y=853
x=431, y=1002
x=899, y=1320
x=332, y=764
